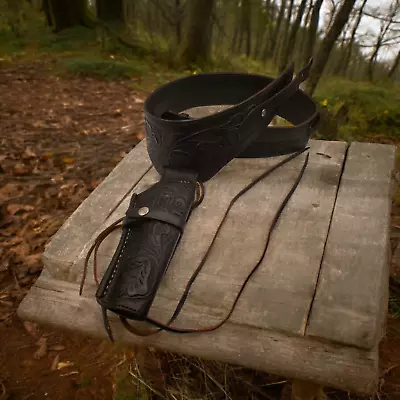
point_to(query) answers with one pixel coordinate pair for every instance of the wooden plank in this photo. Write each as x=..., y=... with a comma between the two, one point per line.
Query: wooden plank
x=66, y=245
x=280, y=294
x=351, y=297
x=58, y=303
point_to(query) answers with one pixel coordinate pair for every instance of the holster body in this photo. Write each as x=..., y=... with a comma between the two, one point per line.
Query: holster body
x=152, y=228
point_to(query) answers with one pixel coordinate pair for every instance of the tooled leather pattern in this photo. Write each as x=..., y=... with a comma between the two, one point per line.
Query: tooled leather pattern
x=142, y=265
x=174, y=198
x=189, y=150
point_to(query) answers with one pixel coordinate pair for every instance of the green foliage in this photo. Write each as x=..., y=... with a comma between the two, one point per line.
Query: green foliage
x=225, y=62
x=104, y=69
x=394, y=306
x=84, y=381
x=68, y=40
x=9, y=45
x=127, y=389
x=364, y=110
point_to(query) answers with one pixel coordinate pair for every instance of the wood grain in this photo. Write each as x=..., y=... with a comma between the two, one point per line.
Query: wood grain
x=58, y=303
x=68, y=243
x=351, y=298
x=341, y=277
x=280, y=294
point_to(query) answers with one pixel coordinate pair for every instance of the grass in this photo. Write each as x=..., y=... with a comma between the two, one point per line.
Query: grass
x=104, y=69
x=365, y=111
x=168, y=376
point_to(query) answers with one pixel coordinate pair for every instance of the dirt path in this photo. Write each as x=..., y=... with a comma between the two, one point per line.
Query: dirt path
x=59, y=138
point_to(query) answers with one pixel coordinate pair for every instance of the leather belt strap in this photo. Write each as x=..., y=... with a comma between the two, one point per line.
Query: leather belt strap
x=187, y=152
x=207, y=144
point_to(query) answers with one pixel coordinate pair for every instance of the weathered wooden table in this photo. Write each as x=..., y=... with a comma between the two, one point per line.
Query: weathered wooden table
x=315, y=311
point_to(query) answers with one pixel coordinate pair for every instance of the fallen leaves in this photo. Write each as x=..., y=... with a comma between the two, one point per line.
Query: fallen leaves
x=20, y=250
x=67, y=160
x=140, y=136
x=13, y=241
x=70, y=373
x=42, y=350
x=55, y=362
x=32, y=263
x=9, y=191
x=58, y=142
x=3, y=392
x=64, y=364
x=17, y=208
x=5, y=316
x=28, y=154
x=30, y=327
x=6, y=303
x=20, y=169
x=57, y=347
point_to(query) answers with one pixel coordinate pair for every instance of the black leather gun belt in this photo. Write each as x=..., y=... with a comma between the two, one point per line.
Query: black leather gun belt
x=187, y=152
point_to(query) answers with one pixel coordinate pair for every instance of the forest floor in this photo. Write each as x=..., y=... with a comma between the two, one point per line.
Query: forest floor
x=59, y=137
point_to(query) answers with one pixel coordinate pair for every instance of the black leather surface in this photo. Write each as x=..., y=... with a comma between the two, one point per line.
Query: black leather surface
x=185, y=150
x=206, y=144
x=147, y=244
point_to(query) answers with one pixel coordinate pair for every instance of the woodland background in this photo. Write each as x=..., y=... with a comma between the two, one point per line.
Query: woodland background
x=355, y=46
x=73, y=78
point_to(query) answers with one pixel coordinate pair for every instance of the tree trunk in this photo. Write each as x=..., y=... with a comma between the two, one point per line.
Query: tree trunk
x=178, y=23
x=110, y=10
x=394, y=66
x=302, y=37
x=269, y=32
x=346, y=61
x=196, y=48
x=292, y=36
x=246, y=24
x=67, y=13
x=371, y=60
x=308, y=15
x=236, y=19
x=332, y=13
x=47, y=12
x=262, y=21
x=274, y=39
x=385, y=26
x=130, y=10
x=327, y=45
x=283, y=41
x=234, y=39
x=312, y=31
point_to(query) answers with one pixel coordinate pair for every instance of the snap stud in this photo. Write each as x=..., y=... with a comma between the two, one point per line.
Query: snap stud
x=143, y=211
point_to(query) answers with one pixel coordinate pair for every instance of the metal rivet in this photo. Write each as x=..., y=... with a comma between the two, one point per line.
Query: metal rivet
x=143, y=211
x=263, y=112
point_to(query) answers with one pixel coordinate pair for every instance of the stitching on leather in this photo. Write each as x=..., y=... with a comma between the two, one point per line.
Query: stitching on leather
x=116, y=264
x=179, y=181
